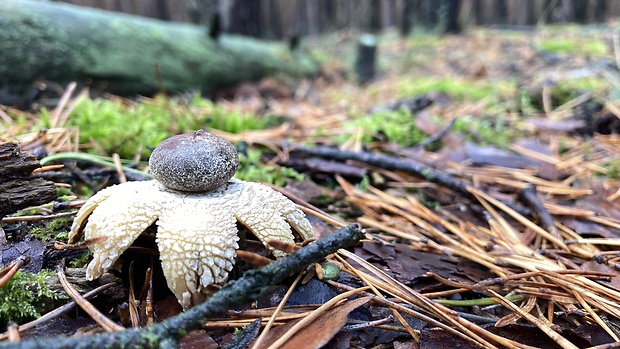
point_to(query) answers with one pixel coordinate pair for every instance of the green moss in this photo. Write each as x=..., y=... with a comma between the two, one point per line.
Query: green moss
x=394, y=126
x=27, y=212
x=399, y=127
x=53, y=229
x=82, y=261
x=567, y=89
x=583, y=46
x=125, y=127
x=364, y=184
x=423, y=39
x=613, y=169
x=557, y=45
x=460, y=90
x=62, y=193
x=485, y=130
x=252, y=169
x=322, y=200
x=25, y=296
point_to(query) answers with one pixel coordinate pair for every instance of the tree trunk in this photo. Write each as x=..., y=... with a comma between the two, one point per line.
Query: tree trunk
x=125, y=53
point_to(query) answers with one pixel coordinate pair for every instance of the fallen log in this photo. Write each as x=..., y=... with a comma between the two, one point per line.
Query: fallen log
x=126, y=54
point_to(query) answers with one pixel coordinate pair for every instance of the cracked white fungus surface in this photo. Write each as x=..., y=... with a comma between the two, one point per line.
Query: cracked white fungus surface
x=196, y=232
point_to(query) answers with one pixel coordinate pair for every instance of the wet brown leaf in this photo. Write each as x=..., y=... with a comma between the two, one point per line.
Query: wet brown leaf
x=320, y=331
x=198, y=339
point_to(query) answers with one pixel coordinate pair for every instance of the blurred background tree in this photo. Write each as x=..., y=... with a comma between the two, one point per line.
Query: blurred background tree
x=284, y=19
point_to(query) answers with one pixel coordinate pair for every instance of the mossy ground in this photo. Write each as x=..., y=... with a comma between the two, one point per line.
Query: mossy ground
x=25, y=296
x=488, y=82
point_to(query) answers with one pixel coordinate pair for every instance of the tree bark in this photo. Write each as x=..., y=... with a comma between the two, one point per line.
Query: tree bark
x=125, y=53
x=18, y=189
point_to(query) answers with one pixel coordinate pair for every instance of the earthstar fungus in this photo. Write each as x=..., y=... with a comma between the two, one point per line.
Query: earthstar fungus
x=195, y=202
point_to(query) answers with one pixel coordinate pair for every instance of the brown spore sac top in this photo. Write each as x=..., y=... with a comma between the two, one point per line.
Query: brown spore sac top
x=194, y=162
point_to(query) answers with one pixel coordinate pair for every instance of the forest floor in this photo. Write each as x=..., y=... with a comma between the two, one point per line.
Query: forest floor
x=484, y=168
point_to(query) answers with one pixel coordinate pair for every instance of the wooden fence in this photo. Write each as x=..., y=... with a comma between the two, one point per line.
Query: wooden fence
x=286, y=18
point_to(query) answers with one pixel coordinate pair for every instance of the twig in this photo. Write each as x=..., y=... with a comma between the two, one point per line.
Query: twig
x=95, y=314
x=7, y=273
x=437, y=136
x=369, y=324
x=529, y=197
x=556, y=337
x=246, y=336
x=242, y=291
x=408, y=165
x=37, y=217
x=13, y=332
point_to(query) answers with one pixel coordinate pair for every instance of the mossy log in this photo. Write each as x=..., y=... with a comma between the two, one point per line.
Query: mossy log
x=126, y=54
x=18, y=188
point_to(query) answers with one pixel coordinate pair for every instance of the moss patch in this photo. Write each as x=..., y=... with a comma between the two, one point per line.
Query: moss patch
x=55, y=229
x=592, y=47
x=124, y=127
x=25, y=297
x=252, y=169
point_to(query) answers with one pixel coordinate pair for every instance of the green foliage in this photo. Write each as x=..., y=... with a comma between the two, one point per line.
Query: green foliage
x=82, y=261
x=218, y=118
x=567, y=45
x=322, y=200
x=25, y=296
x=486, y=131
x=26, y=212
x=364, y=184
x=558, y=45
x=251, y=169
x=62, y=193
x=125, y=127
x=613, y=169
x=55, y=228
x=567, y=89
x=458, y=89
x=399, y=127
x=394, y=126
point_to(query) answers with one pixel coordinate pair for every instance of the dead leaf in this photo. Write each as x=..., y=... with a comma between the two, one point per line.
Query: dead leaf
x=602, y=268
x=198, y=339
x=320, y=331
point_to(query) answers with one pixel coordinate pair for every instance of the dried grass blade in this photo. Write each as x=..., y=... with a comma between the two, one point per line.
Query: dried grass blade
x=372, y=285
x=556, y=337
x=595, y=316
x=133, y=304
x=322, y=216
x=424, y=303
x=275, y=313
x=517, y=216
x=305, y=321
x=56, y=113
x=9, y=271
x=95, y=314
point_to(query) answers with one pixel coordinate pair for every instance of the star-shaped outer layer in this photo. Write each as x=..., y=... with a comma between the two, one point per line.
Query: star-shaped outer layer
x=196, y=232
